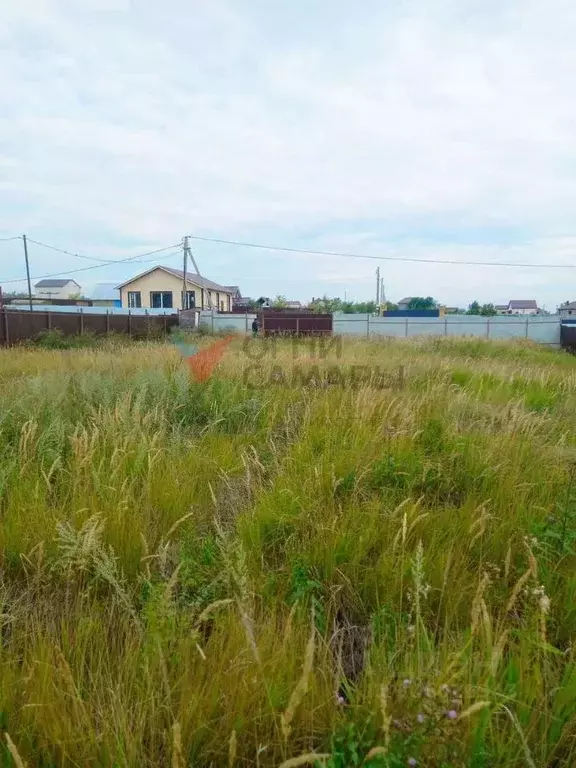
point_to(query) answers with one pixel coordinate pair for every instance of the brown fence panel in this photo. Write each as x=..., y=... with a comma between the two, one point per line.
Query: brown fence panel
x=18, y=326
x=294, y=323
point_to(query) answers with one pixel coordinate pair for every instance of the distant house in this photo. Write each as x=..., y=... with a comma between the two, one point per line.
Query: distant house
x=294, y=305
x=501, y=309
x=522, y=307
x=105, y=295
x=56, y=289
x=404, y=303
x=239, y=302
x=162, y=288
x=568, y=309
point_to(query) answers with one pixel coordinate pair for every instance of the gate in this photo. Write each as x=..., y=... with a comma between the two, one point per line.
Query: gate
x=568, y=335
x=289, y=323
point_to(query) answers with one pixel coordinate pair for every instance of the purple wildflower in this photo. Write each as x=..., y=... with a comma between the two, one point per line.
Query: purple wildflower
x=412, y=761
x=452, y=714
x=406, y=683
x=420, y=717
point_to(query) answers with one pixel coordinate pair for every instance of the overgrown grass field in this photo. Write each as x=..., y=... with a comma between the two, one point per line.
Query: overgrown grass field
x=259, y=570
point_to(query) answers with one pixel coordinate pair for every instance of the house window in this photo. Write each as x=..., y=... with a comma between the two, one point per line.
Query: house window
x=161, y=299
x=188, y=300
x=134, y=299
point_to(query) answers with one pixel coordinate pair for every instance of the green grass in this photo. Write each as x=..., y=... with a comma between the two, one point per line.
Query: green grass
x=250, y=570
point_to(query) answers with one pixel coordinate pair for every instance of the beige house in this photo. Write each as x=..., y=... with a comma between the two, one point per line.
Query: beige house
x=162, y=288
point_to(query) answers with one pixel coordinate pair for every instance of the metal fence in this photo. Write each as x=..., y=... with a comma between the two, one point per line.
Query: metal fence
x=16, y=326
x=544, y=329
x=294, y=323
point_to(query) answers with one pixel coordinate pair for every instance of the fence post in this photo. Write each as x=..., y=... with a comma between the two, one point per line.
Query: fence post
x=48, y=320
x=297, y=325
x=488, y=328
x=262, y=322
x=81, y=321
x=406, y=329
x=107, y=323
x=129, y=324
x=367, y=325
x=164, y=322
x=526, y=326
x=212, y=319
x=147, y=324
x=246, y=322
x=445, y=326
x=6, y=331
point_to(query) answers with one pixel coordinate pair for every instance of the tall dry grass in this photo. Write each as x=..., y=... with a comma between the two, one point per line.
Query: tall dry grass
x=256, y=571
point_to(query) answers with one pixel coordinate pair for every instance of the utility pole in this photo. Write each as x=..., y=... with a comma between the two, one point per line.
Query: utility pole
x=382, y=291
x=377, y=286
x=188, y=254
x=184, y=283
x=27, y=272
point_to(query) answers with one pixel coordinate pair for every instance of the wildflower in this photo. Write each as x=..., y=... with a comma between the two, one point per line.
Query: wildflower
x=544, y=603
x=406, y=683
x=420, y=717
x=411, y=629
x=340, y=699
x=412, y=761
x=451, y=714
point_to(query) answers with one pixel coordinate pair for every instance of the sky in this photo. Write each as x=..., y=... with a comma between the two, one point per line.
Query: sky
x=427, y=129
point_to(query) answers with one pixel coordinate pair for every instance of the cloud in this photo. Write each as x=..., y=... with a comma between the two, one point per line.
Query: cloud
x=410, y=128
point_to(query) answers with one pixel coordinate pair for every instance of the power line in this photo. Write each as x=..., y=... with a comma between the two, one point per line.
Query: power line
x=69, y=253
x=380, y=258
x=7, y=239
x=94, y=266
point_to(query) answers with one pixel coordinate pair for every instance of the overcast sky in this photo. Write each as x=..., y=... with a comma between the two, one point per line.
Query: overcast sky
x=424, y=128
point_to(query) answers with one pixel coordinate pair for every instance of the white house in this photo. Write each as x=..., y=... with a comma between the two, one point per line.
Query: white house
x=568, y=309
x=522, y=307
x=56, y=289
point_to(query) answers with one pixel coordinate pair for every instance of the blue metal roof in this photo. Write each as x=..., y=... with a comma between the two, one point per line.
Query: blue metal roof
x=104, y=292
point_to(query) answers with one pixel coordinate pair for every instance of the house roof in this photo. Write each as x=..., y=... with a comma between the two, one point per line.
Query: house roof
x=568, y=305
x=104, y=292
x=54, y=283
x=234, y=289
x=501, y=306
x=523, y=304
x=191, y=277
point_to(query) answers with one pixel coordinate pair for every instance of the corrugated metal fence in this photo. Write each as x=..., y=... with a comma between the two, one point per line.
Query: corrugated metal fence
x=544, y=329
x=18, y=326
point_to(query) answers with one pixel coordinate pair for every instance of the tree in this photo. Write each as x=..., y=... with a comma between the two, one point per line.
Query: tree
x=486, y=310
x=419, y=302
x=280, y=302
x=262, y=300
x=474, y=308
